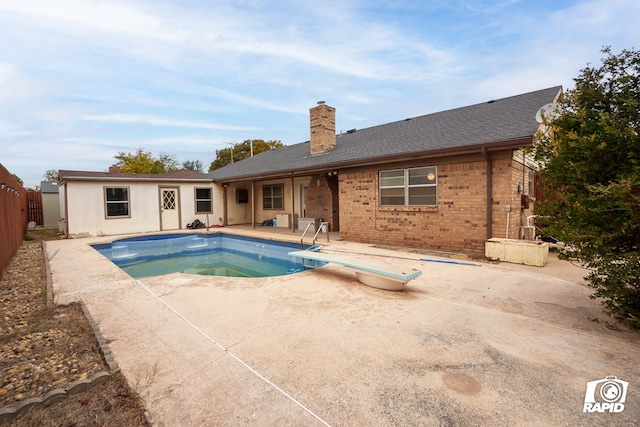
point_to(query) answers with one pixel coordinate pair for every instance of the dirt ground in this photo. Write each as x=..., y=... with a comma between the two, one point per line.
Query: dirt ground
x=45, y=348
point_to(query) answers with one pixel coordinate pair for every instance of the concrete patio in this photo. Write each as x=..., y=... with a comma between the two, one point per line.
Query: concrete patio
x=493, y=344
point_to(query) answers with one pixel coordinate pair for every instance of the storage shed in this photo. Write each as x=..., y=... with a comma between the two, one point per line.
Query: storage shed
x=50, y=204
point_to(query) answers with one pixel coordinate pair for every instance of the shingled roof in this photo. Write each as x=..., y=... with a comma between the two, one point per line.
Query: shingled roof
x=172, y=176
x=498, y=123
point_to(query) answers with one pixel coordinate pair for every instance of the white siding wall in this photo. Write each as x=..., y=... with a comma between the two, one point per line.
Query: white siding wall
x=86, y=216
x=238, y=213
x=188, y=204
x=218, y=214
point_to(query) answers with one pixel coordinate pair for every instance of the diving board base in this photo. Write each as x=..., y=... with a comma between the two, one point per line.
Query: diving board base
x=380, y=282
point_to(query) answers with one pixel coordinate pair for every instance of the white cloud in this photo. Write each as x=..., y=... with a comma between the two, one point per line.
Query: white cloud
x=344, y=45
x=8, y=130
x=597, y=20
x=261, y=103
x=160, y=121
x=17, y=88
x=74, y=15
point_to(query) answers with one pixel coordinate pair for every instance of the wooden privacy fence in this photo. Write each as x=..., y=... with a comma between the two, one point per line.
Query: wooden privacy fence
x=34, y=202
x=13, y=216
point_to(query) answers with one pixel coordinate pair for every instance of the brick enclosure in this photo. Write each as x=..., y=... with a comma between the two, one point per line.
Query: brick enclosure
x=321, y=199
x=457, y=224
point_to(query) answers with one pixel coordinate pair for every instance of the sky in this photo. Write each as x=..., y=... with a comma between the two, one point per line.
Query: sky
x=83, y=80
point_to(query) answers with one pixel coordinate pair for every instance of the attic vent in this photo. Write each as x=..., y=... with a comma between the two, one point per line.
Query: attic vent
x=491, y=102
x=406, y=120
x=351, y=131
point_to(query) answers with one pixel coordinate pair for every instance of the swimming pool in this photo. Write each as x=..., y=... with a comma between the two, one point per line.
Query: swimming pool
x=216, y=254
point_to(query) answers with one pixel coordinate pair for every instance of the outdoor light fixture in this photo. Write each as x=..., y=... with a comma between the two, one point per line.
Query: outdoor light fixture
x=2, y=186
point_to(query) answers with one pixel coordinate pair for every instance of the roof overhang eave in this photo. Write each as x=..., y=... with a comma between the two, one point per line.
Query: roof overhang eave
x=131, y=179
x=509, y=144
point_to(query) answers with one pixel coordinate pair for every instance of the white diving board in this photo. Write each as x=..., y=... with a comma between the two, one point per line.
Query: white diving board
x=390, y=278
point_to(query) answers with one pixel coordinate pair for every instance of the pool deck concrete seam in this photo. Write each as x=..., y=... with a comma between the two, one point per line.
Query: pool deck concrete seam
x=235, y=357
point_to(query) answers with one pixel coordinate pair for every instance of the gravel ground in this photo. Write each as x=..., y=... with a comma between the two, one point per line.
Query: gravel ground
x=42, y=349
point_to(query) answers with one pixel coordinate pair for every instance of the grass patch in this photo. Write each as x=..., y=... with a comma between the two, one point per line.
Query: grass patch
x=42, y=234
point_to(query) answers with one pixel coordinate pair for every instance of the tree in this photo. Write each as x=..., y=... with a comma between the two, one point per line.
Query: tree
x=142, y=161
x=242, y=150
x=51, y=175
x=195, y=165
x=590, y=160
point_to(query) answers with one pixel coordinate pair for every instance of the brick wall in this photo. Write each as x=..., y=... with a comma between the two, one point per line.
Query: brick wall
x=522, y=194
x=319, y=199
x=457, y=224
x=502, y=197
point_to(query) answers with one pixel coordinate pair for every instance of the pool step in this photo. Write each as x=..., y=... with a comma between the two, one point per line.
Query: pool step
x=199, y=242
x=122, y=252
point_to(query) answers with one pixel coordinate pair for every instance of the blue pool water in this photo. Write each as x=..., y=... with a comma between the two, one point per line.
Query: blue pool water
x=215, y=254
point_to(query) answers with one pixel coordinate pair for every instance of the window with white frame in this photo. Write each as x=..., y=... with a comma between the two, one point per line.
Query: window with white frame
x=116, y=200
x=273, y=196
x=203, y=200
x=409, y=187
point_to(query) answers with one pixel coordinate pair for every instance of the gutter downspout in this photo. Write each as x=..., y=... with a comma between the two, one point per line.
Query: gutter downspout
x=485, y=155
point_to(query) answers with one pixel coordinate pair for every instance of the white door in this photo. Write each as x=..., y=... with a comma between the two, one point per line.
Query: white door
x=169, y=209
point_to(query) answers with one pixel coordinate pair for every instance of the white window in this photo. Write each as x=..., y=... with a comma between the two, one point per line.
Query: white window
x=116, y=201
x=203, y=200
x=409, y=187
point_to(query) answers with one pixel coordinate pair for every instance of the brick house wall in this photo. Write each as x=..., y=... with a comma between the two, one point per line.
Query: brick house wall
x=319, y=200
x=503, y=196
x=522, y=195
x=457, y=224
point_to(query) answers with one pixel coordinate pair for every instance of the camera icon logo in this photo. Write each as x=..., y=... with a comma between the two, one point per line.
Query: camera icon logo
x=605, y=395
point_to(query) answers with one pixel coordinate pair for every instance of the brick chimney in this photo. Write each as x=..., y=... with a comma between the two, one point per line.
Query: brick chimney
x=323, y=128
x=114, y=169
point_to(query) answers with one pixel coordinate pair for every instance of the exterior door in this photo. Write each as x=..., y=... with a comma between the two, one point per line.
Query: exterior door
x=303, y=195
x=169, y=209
